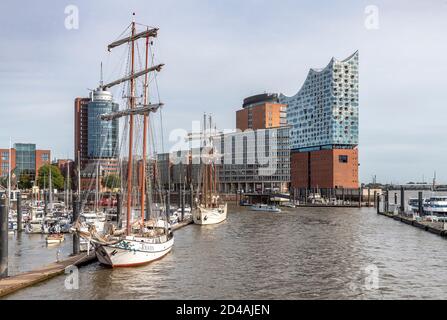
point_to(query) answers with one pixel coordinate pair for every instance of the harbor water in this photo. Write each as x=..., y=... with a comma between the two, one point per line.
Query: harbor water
x=302, y=253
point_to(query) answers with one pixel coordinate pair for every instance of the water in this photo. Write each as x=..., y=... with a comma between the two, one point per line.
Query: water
x=304, y=253
x=30, y=251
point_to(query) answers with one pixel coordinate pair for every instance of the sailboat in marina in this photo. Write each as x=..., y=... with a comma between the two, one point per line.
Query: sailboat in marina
x=143, y=239
x=211, y=209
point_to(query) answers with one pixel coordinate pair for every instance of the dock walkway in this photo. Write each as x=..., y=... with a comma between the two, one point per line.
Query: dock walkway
x=11, y=284
x=432, y=227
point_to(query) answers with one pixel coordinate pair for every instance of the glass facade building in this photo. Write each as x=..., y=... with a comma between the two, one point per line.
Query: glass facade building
x=102, y=135
x=25, y=158
x=324, y=113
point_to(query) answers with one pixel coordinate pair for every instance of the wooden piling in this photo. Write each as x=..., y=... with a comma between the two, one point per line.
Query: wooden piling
x=402, y=200
x=378, y=204
x=3, y=237
x=420, y=204
x=76, y=240
x=19, y=212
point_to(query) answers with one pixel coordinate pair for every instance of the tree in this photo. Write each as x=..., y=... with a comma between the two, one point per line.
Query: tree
x=111, y=181
x=25, y=181
x=4, y=182
x=56, y=177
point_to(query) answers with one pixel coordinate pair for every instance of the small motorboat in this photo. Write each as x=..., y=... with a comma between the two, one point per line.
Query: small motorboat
x=265, y=208
x=288, y=205
x=55, y=238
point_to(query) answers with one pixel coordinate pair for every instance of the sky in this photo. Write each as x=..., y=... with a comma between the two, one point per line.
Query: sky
x=218, y=52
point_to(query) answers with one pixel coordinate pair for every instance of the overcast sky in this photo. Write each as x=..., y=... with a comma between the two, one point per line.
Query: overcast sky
x=218, y=52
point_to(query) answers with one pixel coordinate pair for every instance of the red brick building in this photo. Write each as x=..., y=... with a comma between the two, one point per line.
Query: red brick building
x=23, y=157
x=336, y=168
x=261, y=112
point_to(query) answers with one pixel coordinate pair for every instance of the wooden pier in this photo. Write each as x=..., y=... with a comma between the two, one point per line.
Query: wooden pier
x=14, y=283
x=182, y=224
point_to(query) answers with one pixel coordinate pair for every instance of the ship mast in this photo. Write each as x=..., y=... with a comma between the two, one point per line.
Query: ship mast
x=132, y=109
x=145, y=124
x=131, y=102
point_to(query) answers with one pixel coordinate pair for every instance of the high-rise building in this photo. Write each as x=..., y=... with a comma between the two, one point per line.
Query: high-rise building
x=25, y=158
x=81, y=130
x=96, y=140
x=102, y=136
x=324, y=120
x=262, y=111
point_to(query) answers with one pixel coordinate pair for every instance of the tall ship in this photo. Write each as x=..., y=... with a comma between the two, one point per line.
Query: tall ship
x=146, y=234
x=211, y=209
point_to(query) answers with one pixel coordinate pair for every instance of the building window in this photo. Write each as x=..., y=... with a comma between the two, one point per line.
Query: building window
x=343, y=159
x=45, y=157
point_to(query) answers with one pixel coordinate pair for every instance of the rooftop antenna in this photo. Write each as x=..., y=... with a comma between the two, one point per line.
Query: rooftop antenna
x=101, y=82
x=434, y=181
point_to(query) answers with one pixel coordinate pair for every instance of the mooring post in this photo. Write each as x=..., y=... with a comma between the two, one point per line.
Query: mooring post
x=191, y=197
x=360, y=197
x=182, y=203
x=76, y=209
x=378, y=203
x=402, y=200
x=19, y=212
x=3, y=237
x=119, y=205
x=45, y=208
x=386, y=202
x=420, y=203
x=375, y=199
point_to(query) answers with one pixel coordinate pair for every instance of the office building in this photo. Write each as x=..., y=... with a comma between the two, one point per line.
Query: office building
x=96, y=140
x=254, y=161
x=25, y=158
x=262, y=111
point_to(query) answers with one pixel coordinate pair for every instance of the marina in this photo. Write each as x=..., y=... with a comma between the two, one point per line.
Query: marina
x=307, y=263
x=222, y=152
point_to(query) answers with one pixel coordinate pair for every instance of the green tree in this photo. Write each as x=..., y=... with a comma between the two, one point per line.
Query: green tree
x=56, y=177
x=4, y=182
x=111, y=181
x=25, y=181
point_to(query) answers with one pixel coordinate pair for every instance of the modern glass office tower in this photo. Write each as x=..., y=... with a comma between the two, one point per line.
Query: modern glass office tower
x=324, y=120
x=25, y=158
x=102, y=135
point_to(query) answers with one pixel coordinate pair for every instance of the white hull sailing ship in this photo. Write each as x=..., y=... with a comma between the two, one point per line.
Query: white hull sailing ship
x=206, y=216
x=143, y=240
x=210, y=210
x=134, y=251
